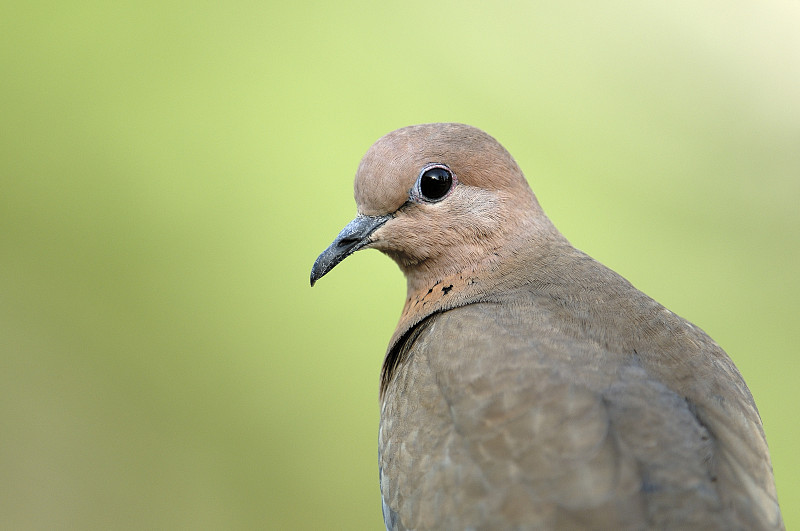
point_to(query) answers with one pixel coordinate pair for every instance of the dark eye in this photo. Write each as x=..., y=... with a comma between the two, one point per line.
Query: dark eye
x=435, y=182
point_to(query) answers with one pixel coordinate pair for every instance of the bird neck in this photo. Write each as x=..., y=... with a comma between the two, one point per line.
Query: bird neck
x=431, y=290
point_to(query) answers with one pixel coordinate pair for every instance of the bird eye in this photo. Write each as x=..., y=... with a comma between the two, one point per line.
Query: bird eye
x=435, y=182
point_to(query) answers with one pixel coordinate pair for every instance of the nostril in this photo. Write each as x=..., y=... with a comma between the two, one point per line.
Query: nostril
x=346, y=242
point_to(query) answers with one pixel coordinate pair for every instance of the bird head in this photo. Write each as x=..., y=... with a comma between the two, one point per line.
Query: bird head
x=440, y=199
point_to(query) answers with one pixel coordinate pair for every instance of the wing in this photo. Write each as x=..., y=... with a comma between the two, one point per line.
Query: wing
x=493, y=421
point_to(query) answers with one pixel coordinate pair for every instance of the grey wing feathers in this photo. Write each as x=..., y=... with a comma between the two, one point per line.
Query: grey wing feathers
x=545, y=433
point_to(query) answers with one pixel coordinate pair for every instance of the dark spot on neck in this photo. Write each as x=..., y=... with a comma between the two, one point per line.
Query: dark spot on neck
x=446, y=289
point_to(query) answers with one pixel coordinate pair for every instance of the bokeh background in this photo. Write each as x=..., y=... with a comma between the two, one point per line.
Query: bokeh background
x=170, y=170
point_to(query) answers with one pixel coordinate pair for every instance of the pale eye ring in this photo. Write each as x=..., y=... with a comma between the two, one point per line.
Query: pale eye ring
x=434, y=183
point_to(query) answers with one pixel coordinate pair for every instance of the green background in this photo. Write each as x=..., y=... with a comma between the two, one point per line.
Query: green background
x=170, y=170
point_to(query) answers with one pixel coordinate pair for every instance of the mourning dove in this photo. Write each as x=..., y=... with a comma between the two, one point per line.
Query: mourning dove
x=527, y=386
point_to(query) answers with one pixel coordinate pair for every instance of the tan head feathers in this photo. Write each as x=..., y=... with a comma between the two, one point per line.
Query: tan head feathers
x=391, y=166
x=450, y=205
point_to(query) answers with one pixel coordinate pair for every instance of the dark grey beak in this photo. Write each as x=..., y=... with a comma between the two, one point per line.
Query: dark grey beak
x=352, y=238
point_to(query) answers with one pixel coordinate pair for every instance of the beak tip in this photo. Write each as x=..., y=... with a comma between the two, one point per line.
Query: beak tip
x=353, y=237
x=319, y=269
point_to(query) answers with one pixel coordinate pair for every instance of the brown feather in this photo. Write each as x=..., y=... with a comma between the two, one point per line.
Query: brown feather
x=527, y=386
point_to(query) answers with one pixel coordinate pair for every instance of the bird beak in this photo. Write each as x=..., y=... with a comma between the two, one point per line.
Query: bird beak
x=352, y=238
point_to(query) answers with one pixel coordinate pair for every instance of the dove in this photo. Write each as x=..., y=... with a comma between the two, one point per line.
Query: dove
x=528, y=386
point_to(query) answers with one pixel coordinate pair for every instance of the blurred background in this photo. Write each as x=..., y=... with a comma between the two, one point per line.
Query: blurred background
x=170, y=170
